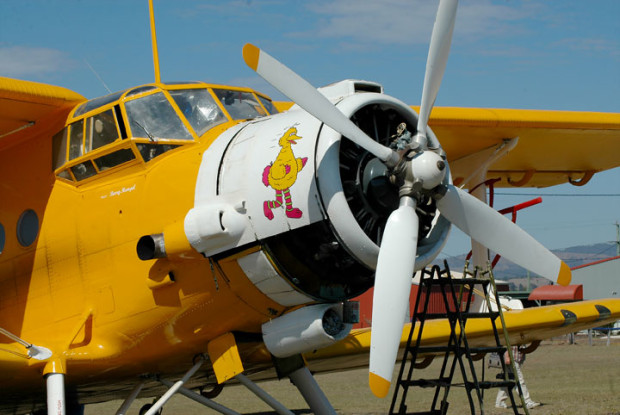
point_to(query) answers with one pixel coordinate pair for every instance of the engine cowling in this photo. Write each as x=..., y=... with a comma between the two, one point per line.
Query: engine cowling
x=315, y=203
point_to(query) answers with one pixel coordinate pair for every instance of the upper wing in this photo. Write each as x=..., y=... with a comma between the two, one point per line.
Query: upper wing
x=524, y=326
x=25, y=104
x=553, y=146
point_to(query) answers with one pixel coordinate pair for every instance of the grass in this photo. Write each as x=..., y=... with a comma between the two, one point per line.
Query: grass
x=567, y=379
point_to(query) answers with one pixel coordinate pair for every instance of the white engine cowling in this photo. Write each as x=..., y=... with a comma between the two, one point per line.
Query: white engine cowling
x=315, y=203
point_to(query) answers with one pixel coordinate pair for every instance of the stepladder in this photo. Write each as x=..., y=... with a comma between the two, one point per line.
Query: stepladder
x=442, y=299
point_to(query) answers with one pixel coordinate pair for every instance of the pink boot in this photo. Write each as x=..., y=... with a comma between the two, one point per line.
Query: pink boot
x=267, y=210
x=294, y=213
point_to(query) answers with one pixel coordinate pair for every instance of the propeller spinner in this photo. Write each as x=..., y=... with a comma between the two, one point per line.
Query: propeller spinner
x=419, y=168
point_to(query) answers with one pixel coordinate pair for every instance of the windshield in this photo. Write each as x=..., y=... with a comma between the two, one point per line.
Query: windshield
x=200, y=109
x=240, y=105
x=152, y=116
x=271, y=109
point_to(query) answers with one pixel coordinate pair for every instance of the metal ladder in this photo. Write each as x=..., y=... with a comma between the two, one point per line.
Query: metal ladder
x=457, y=296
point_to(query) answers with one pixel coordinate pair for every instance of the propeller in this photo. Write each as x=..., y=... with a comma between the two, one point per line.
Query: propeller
x=492, y=229
x=389, y=308
x=310, y=99
x=392, y=289
x=420, y=172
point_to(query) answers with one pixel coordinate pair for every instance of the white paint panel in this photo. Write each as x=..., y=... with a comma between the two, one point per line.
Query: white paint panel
x=263, y=275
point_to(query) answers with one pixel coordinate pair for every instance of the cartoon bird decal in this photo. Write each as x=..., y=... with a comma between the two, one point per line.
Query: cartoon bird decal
x=282, y=174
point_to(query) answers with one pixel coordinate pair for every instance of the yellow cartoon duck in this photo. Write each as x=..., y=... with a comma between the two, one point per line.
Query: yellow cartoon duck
x=282, y=174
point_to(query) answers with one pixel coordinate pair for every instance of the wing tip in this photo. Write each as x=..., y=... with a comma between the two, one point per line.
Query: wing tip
x=565, y=274
x=251, y=55
x=379, y=386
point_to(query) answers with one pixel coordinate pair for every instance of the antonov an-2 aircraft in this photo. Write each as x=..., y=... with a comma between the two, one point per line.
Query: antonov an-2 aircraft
x=205, y=233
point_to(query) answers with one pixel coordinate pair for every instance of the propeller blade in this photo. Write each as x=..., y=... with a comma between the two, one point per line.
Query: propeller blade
x=307, y=97
x=391, y=296
x=493, y=230
x=437, y=58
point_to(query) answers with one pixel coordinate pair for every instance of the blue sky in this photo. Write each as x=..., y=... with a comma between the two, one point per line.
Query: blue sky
x=562, y=55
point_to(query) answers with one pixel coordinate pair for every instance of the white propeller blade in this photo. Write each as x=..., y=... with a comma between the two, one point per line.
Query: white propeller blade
x=307, y=97
x=391, y=296
x=437, y=58
x=493, y=230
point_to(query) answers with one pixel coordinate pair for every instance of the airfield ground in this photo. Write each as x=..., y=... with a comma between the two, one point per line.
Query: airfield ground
x=567, y=379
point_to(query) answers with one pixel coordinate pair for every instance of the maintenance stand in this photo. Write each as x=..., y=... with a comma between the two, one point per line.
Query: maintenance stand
x=457, y=296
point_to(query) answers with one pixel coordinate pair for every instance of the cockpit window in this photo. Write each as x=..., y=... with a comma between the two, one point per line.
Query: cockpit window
x=100, y=130
x=268, y=105
x=96, y=103
x=76, y=139
x=240, y=105
x=59, y=148
x=200, y=109
x=153, y=117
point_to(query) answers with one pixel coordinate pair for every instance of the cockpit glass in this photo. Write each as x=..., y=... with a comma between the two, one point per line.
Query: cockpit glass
x=240, y=105
x=268, y=105
x=153, y=117
x=100, y=130
x=200, y=109
x=96, y=103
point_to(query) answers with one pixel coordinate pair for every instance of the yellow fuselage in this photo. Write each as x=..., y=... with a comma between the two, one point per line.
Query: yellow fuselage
x=80, y=289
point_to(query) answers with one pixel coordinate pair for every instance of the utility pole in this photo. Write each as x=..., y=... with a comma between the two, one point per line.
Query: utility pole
x=617, y=238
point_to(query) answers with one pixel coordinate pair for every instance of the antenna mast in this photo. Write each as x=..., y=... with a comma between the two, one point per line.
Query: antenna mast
x=617, y=238
x=154, y=43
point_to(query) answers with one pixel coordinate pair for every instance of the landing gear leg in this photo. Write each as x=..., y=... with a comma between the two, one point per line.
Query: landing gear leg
x=56, y=404
x=312, y=393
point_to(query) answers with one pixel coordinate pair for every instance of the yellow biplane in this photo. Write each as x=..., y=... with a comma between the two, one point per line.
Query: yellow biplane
x=203, y=232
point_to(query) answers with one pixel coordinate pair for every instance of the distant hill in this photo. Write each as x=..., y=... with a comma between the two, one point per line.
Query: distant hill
x=518, y=276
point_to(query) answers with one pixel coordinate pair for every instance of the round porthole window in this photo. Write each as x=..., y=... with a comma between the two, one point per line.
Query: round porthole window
x=2, y=238
x=27, y=227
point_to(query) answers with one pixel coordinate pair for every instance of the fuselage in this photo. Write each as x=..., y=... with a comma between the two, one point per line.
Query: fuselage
x=147, y=223
x=71, y=278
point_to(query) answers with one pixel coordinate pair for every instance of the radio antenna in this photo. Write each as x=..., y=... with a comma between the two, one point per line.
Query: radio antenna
x=154, y=43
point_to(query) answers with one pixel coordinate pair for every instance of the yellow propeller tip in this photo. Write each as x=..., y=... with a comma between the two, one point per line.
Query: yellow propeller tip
x=250, y=55
x=564, y=276
x=379, y=386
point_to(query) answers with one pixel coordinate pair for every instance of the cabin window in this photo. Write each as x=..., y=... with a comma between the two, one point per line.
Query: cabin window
x=200, y=109
x=271, y=109
x=240, y=105
x=27, y=228
x=114, y=159
x=76, y=139
x=152, y=150
x=101, y=130
x=59, y=149
x=153, y=117
x=83, y=170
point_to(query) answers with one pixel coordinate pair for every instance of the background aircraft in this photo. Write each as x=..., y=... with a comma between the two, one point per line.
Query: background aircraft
x=255, y=59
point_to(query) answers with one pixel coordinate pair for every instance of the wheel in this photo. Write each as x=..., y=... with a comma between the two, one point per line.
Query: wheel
x=148, y=406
